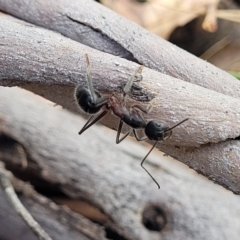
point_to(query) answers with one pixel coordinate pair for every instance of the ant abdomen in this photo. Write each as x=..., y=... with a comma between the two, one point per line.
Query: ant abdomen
x=85, y=100
x=157, y=130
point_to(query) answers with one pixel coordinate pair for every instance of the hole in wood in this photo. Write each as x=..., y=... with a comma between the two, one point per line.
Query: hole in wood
x=154, y=218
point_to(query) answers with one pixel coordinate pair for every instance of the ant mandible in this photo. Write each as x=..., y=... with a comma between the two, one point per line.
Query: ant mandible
x=92, y=102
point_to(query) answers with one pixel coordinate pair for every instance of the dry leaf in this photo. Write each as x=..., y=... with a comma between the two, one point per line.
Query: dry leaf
x=163, y=16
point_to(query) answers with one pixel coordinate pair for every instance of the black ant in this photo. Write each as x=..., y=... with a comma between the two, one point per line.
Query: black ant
x=92, y=102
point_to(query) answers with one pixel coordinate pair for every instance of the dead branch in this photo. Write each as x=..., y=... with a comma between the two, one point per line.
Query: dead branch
x=113, y=179
x=98, y=27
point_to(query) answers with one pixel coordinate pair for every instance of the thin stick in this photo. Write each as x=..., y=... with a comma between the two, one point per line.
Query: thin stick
x=20, y=209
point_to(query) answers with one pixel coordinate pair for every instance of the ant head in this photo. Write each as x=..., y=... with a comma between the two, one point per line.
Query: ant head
x=157, y=130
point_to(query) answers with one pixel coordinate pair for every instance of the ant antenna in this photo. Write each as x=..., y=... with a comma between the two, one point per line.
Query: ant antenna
x=177, y=125
x=191, y=119
x=146, y=169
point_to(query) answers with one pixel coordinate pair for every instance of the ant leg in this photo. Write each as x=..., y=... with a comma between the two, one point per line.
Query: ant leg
x=129, y=83
x=146, y=169
x=119, y=132
x=90, y=122
x=83, y=128
x=89, y=79
x=137, y=137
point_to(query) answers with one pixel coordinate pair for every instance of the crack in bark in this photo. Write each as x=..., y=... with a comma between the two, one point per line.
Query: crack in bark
x=132, y=58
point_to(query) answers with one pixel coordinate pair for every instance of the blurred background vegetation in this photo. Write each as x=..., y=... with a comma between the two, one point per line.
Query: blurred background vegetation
x=208, y=28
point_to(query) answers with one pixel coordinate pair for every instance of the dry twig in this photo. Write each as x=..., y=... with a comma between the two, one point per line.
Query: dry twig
x=21, y=210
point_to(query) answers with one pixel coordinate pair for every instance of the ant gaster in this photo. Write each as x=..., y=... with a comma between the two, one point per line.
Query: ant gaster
x=92, y=102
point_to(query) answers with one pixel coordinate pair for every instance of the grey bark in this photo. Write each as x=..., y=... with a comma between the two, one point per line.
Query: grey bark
x=93, y=168
x=50, y=65
x=98, y=27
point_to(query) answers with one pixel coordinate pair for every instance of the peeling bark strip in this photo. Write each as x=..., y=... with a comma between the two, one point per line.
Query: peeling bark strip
x=98, y=27
x=19, y=208
x=92, y=167
x=33, y=55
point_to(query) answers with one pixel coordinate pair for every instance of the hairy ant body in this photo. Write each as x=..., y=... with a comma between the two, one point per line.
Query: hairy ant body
x=92, y=102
